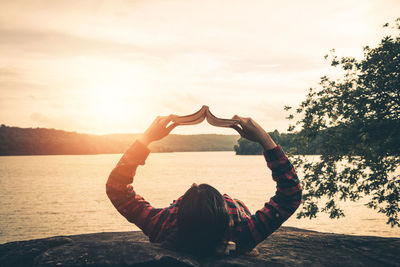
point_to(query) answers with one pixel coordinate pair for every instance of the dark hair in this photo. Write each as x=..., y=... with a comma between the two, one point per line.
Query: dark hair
x=202, y=221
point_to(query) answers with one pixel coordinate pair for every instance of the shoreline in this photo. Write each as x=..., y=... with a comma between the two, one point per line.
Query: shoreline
x=94, y=154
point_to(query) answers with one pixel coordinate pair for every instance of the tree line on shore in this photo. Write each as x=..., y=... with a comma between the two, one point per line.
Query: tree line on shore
x=288, y=142
x=43, y=141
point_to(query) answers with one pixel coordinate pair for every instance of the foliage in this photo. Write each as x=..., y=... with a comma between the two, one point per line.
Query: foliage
x=246, y=147
x=359, y=116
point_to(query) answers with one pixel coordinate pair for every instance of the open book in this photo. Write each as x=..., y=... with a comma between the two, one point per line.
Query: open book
x=204, y=113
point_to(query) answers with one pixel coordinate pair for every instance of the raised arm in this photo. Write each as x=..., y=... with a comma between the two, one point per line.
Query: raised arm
x=119, y=189
x=287, y=198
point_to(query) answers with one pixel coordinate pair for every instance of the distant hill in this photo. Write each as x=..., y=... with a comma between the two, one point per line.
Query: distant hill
x=43, y=141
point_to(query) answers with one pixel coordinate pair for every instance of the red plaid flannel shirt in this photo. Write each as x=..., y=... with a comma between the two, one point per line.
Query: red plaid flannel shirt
x=248, y=229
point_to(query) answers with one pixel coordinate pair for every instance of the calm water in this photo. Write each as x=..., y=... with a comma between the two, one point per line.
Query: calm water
x=43, y=196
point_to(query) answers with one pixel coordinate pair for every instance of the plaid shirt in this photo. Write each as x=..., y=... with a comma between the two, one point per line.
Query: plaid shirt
x=248, y=229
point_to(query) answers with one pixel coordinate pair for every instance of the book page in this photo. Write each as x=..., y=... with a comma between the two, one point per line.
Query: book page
x=204, y=113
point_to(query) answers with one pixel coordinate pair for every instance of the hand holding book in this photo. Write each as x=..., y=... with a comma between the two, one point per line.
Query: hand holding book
x=158, y=129
x=252, y=131
x=246, y=127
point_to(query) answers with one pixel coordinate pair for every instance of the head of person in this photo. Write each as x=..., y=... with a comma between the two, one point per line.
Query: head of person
x=203, y=221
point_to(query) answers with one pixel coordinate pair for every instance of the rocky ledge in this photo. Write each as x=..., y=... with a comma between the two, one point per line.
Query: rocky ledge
x=286, y=247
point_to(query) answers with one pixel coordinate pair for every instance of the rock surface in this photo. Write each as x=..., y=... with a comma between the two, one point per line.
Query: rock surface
x=286, y=247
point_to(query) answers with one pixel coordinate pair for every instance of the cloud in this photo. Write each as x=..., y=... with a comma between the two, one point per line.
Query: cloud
x=58, y=122
x=61, y=44
x=8, y=73
x=14, y=83
x=273, y=62
x=176, y=102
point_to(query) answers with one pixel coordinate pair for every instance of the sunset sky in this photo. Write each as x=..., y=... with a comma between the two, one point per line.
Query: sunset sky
x=112, y=66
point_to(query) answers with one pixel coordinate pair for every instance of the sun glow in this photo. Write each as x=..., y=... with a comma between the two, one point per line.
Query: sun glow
x=110, y=102
x=115, y=90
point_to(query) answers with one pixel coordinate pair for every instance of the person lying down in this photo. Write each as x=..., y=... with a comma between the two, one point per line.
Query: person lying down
x=203, y=222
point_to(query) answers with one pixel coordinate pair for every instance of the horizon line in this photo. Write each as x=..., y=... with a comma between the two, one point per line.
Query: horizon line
x=91, y=133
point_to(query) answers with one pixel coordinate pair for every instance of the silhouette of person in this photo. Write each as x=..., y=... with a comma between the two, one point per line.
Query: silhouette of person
x=202, y=221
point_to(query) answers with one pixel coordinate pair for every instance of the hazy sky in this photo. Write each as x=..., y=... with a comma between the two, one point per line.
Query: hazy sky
x=112, y=66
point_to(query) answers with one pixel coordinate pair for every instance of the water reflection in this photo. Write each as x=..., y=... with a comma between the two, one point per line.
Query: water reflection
x=42, y=196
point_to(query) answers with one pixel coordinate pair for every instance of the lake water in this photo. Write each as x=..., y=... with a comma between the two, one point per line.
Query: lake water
x=42, y=196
